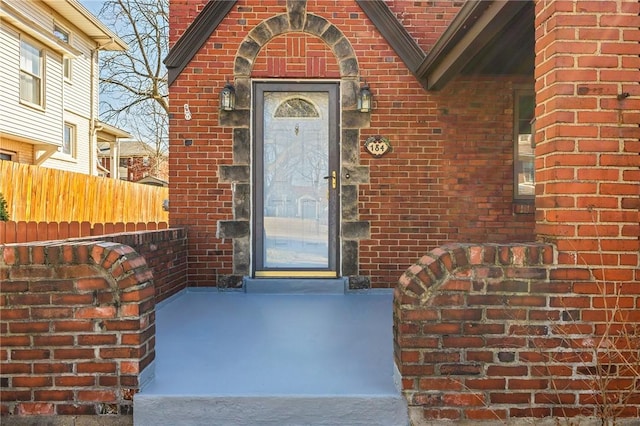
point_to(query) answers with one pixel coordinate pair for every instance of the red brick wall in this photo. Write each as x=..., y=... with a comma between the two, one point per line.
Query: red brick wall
x=588, y=98
x=425, y=193
x=450, y=177
x=305, y=55
x=425, y=20
x=498, y=332
x=165, y=253
x=77, y=327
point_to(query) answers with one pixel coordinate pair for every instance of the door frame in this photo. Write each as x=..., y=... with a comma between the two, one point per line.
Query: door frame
x=259, y=87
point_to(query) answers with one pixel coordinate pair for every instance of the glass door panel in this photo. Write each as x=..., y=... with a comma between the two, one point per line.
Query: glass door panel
x=296, y=187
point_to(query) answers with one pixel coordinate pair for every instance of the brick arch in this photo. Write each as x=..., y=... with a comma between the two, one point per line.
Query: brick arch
x=498, y=332
x=296, y=55
x=290, y=23
x=436, y=271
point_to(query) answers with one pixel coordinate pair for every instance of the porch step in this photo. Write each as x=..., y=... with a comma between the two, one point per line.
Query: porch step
x=271, y=411
x=231, y=358
x=295, y=286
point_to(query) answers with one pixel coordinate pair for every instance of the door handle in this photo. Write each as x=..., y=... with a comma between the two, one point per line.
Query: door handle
x=334, y=179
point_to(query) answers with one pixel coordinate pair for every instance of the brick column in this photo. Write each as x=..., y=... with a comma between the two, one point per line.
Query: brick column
x=588, y=97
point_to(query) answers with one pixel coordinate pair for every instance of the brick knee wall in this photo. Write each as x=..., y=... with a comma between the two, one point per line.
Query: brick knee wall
x=500, y=332
x=166, y=254
x=78, y=327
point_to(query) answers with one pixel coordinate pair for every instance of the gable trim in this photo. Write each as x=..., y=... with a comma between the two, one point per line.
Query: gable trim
x=195, y=36
x=473, y=28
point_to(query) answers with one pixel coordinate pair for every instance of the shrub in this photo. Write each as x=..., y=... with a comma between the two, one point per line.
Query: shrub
x=4, y=214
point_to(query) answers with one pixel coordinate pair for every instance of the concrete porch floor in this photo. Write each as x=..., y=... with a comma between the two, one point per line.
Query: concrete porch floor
x=231, y=358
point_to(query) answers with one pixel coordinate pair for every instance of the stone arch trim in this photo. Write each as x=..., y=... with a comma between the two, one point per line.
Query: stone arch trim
x=295, y=20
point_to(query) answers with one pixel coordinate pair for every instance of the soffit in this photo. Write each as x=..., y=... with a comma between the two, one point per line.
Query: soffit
x=109, y=133
x=95, y=29
x=486, y=37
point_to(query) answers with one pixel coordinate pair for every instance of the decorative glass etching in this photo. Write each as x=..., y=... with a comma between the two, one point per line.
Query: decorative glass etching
x=296, y=107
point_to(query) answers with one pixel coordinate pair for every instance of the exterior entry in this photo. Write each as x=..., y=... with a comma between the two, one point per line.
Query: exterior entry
x=296, y=180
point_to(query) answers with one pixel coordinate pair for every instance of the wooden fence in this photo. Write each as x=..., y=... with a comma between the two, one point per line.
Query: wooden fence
x=40, y=194
x=25, y=232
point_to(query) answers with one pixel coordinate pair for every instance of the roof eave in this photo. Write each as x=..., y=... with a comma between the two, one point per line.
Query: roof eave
x=477, y=22
x=73, y=10
x=195, y=36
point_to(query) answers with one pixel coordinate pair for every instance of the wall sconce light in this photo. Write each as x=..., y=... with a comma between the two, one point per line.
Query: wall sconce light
x=365, y=99
x=228, y=98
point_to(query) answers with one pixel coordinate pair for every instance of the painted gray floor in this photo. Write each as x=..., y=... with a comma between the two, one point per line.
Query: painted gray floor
x=273, y=359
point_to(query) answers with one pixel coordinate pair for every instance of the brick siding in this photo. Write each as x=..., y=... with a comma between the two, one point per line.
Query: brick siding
x=449, y=177
x=546, y=330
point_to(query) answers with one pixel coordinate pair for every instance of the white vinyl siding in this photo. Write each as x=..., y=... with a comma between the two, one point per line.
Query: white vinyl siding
x=32, y=12
x=77, y=92
x=18, y=119
x=64, y=100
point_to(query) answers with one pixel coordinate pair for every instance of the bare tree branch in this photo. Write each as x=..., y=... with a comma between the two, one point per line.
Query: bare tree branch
x=133, y=83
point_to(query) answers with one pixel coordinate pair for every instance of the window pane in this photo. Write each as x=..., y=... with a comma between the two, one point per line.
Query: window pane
x=30, y=59
x=66, y=67
x=30, y=88
x=68, y=141
x=524, y=158
x=61, y=34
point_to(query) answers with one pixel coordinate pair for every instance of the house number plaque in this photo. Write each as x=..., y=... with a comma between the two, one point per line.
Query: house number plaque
x=377, y=145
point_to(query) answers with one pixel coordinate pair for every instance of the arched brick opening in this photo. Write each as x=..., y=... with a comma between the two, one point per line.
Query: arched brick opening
x=498, y=332
x=287, y=34
x=78, y=327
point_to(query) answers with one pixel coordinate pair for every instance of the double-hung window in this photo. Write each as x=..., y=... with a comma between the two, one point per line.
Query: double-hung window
x=524, y=167
x=31, y=70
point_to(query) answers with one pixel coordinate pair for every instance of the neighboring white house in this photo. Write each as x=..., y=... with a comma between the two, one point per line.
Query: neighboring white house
x=49, y=84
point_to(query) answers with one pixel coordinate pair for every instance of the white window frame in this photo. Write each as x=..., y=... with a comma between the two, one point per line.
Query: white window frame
x=523, y=148
x=69, y=139
x=67, y=66
x=64, y=35
x=61, y=33
x=26, y=73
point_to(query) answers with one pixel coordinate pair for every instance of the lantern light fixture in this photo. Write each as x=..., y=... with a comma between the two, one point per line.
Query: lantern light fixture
x=228, y=97
x=365, y=99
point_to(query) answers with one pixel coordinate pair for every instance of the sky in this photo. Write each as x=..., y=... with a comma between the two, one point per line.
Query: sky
x=93, y=5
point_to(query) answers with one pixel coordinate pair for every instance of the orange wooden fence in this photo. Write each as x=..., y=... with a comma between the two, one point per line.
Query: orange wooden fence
x=39, y=194
x=24, y=232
